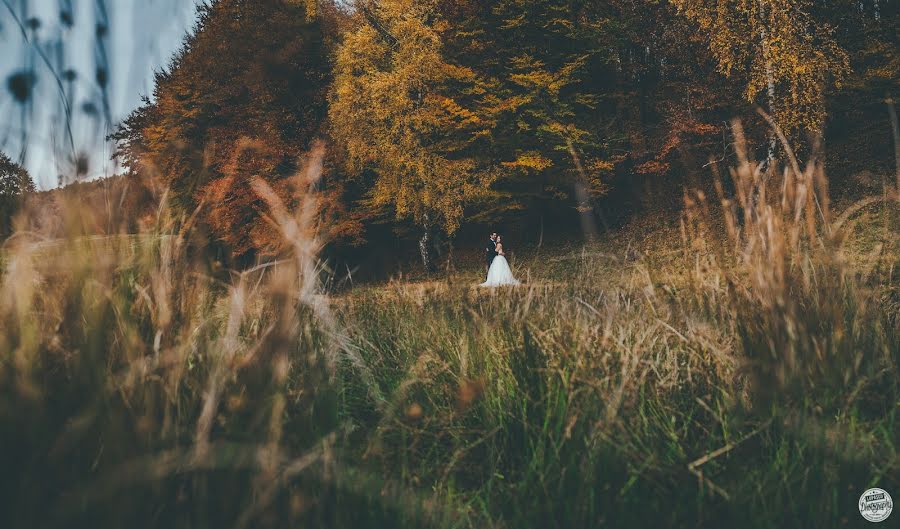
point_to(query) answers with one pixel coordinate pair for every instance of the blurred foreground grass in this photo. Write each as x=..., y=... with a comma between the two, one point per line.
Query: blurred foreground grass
x=738, y=370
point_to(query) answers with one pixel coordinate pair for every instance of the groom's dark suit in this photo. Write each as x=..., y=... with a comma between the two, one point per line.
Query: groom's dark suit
x=490, y=251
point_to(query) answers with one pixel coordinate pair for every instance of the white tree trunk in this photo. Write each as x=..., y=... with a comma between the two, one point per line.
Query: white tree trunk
x=770, y=83
x=770, y=92
x=424, y=242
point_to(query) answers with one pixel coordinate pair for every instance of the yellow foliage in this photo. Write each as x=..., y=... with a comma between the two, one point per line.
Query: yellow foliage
x=393, y=111
x=530, y=160
x=780, y=51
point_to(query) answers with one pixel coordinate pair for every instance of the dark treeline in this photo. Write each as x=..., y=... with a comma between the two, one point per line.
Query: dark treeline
x=441, y=117
x=15, y=185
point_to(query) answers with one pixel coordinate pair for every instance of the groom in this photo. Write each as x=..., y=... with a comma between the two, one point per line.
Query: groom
x=490, y=250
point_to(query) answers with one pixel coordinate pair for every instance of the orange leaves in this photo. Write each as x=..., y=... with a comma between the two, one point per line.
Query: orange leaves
x=455, y=109
x=255, y=70
x=598, y=165
x=233, y=209
x=530, y=160
x=653, y=167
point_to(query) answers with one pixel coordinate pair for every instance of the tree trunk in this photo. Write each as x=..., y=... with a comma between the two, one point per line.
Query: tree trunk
x=770, y=84
x=895, y=128
x=541, y=236
x=585, y=208
x=425, y=246
x=770, y=91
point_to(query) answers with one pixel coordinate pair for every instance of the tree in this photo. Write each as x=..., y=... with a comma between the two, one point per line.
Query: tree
x=779, y=48
x=15, y=183
x=406, y=117
x=439, y=113
x=581, y=93
x=540, y=63
x=244, y=98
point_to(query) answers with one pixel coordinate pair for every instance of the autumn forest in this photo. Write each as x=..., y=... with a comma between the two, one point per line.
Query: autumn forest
x=438, y=116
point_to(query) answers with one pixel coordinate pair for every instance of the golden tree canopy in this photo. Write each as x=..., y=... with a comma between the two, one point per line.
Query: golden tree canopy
x=779, y=47
x=402, y=111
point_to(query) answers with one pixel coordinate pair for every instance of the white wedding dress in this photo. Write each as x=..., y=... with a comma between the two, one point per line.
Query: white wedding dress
x=499, y=274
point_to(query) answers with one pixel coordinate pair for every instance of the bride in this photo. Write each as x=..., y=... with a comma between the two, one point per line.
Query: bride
x=499, y=273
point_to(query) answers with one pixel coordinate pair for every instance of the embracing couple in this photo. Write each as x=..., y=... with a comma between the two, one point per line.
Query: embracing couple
x=499, y=273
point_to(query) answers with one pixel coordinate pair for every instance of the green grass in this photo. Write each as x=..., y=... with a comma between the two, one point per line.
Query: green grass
x=596, y=393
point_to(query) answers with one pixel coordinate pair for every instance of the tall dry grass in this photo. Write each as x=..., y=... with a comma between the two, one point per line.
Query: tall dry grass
x=813, y=328
x=142, y=387
x=749, y=379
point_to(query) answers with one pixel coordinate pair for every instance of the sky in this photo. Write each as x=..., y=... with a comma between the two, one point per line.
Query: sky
x=127, y=39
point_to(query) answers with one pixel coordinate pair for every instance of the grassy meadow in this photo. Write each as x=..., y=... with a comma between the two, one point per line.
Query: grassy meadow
x=736, y=367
